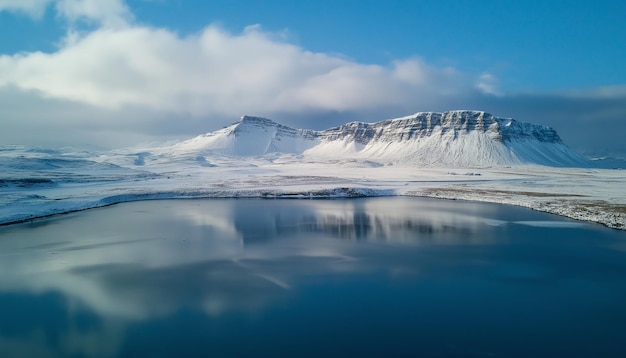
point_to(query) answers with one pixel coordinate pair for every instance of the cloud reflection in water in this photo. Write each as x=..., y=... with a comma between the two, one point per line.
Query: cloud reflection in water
x=106, y=270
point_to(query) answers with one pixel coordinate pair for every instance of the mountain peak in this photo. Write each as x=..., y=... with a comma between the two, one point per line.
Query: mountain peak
x=257, y=120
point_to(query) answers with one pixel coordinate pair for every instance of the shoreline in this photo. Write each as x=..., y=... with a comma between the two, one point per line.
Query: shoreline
x=584, y=194
x=612, y=216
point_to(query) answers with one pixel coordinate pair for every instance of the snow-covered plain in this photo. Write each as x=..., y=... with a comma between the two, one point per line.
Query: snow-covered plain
x=259, y=158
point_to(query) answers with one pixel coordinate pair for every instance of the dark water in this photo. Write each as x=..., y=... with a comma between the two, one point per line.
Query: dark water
x=376, y=277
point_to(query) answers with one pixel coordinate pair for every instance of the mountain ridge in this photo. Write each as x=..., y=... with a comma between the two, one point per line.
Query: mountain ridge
x=457, y=138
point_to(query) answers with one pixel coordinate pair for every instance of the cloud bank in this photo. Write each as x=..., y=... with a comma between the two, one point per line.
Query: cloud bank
x=121, y=76
x=216, y=72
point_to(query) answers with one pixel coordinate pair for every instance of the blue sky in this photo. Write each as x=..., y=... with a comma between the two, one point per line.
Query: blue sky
x=138, y=70
x=532, y=44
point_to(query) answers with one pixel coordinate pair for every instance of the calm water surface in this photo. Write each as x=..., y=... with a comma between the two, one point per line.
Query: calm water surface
x=377, y=277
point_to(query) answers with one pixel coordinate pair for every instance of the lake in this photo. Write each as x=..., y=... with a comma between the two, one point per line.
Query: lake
x=370, y=277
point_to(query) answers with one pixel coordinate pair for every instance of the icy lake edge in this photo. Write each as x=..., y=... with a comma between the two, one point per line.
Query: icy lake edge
x=599, y=213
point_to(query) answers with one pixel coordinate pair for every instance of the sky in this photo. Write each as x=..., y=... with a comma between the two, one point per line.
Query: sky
x=112, y=73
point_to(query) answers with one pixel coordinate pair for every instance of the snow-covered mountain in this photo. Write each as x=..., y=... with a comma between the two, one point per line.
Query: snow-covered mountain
x=455, y=138
x=252, y=136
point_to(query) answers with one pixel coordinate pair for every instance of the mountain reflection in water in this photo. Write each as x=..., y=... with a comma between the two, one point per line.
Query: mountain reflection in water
x=269, y=277
x=379, y=220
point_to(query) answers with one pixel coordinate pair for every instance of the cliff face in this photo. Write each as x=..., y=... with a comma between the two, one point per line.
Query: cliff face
x=455, y=138
x=454, y=124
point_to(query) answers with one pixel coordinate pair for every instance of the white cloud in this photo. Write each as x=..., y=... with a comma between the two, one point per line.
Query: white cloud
x=102, y=12
x=488, y=84
x=105, y=12
x=216, y=72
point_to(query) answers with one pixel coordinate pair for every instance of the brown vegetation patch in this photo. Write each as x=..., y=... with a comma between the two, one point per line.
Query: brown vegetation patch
x=507, y=192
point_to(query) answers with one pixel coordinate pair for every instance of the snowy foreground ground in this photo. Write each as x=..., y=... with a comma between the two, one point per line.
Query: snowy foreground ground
x=38, y=183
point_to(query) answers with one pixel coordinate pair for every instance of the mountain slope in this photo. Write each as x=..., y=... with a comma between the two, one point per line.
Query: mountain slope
x=455, y=138
x=251, y=136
